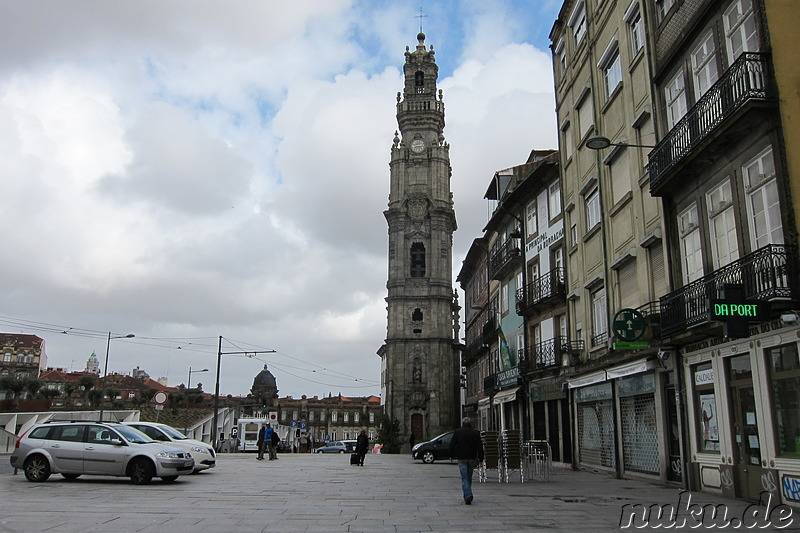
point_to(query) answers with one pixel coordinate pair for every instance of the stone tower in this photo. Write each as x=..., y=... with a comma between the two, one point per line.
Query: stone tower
x=420, y=360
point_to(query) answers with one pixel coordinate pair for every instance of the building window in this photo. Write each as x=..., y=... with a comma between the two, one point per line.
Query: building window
x=372, y=418
x=627, y=285
x=704, y=65
x=531, y=219
x=662, y=8
x=675, y=97
x=567, y=143
x=573, y=235
x=554, y=200
x=417, y=260
x=560, y=53
x=592, y=210
x=763, y=208
x=577, y=21
x=599, y=316
x=741, y=34
x=724, y=245
x=609, y=64
x=334, y=416
x=691, y=253
x=356, y=417
x=707, y=419
x=635, y=27
x=322, y=416
x=620, y=177
x=311, y=416
x=784, y=380
x=504, y=298
x=346, y=417
x=585, y=116
x=419, y=81
x=294, y=415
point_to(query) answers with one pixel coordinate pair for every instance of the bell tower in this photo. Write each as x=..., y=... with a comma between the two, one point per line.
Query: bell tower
x=420, y=358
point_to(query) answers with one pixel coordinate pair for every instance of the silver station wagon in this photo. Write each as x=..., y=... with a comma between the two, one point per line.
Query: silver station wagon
x=80, y=448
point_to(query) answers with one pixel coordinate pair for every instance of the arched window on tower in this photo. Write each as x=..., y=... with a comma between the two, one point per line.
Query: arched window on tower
x=417, y=260
x=419, y=81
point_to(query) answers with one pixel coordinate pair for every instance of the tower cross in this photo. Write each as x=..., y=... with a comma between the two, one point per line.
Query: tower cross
x=420, y=17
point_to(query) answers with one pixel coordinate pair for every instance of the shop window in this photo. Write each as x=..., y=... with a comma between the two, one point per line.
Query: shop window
x=707, y=417
x=784, y=367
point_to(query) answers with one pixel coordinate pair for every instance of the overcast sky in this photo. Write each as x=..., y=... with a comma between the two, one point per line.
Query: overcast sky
x=182, y=170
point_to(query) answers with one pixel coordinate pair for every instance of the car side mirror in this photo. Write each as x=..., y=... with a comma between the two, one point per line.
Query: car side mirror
x=117, y=442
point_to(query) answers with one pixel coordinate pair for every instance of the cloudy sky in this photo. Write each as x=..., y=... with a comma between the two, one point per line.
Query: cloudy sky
x=188, y=170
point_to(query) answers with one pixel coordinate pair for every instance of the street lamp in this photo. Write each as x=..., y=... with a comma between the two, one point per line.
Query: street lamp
x=599, y=143
x=105, y=369
x=189, y=385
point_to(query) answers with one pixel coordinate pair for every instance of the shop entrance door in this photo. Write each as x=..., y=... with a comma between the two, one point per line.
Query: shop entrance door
x=744, y=421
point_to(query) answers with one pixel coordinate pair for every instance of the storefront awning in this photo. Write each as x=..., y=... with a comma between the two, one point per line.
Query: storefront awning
x=505, y=396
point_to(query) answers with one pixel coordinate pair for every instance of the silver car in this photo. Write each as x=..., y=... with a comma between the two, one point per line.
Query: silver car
x=73, y=449
x=204, y=456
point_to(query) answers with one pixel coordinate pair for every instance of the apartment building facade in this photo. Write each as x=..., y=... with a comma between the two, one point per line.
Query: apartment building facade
x=622, y=389
x=721, y=168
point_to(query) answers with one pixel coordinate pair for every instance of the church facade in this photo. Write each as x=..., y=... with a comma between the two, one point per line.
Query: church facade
x=421, y=355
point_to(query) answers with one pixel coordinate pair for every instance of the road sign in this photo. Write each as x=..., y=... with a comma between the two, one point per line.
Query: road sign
x=234, y=432
x=303, y=425
x=294, y=423
x=629, y=325
x=160, y=398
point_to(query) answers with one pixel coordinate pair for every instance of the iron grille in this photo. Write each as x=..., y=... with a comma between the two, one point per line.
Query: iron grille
x=639, y=434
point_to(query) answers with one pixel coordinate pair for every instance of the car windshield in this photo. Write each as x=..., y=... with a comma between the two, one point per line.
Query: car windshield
x=133, y=435
x=173, y=433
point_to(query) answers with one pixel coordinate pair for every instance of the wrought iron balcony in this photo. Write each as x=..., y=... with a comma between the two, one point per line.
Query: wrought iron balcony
x=767, y=274
x=504, y=258
x=546, y=288
x=749, y=78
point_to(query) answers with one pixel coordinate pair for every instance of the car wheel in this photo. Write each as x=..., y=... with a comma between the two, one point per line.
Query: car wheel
x=319, y=451
x=341, y=451
x=141, y=471
x=428, y=458
x=71, y=476
x=36, y=468
x=168, y=479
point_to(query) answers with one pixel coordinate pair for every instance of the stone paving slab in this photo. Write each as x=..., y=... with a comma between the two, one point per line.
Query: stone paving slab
x=321, y=493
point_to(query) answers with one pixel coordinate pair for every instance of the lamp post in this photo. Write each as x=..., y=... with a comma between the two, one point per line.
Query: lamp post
x=189, y=383
x=599, y=143
x=105, y=369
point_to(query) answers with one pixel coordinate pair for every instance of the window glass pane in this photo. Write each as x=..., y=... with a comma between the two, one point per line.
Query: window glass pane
x=554, y=204
x=706, y=416
x=612, y=74
x=675, y=95
x=784, y=365
x=724, y=244
x=705, y=65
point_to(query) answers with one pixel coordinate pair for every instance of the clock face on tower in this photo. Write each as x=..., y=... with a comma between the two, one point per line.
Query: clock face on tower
x=417, y=145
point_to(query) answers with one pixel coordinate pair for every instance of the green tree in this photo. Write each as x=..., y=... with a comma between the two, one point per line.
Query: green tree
x=145, y=395
x=49, y=393
x=15, y=387
x=111, y=393
x=86, y=384
x=94, y=396
x=32, y=386
x=389, y=434
x=69, y=389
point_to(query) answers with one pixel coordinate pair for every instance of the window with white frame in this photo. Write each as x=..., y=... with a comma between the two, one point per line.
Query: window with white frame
x=520, y=340
x=560, y=52
x=662, y=8
x=334, y=416
x=599, y=318
x=691, y=252
x=346, y=417
x=531, y=219
x=558, y=257
x=704, y=65
x=741, y=34
x=724, y=243
x=573, y=235
x=763, y=207
x=611, y=67
x=311, y=416
x=371, y=418
x=322, y=416
x=519, y=280
x=592, y=210
x=577, y=21
x=585, y=115
x=554, y=199
x=356, y=417
x=675, y=98
x=504, y=298
x=633, y=17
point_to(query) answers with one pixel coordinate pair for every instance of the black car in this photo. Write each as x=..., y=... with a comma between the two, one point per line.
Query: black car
x=430, y=451
x=283, y=447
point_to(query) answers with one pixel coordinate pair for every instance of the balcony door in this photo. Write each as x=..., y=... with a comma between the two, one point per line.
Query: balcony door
x=744, y=428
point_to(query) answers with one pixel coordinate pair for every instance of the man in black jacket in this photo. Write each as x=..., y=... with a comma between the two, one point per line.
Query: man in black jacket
x=467, y=447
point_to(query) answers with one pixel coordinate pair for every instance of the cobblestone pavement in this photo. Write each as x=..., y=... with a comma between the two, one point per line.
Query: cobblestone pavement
x=323, y=493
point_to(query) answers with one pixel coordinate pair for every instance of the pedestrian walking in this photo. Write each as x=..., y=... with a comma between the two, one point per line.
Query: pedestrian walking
x=271, y=438
x=362, y=443
x=467, y=447
x=412, y=440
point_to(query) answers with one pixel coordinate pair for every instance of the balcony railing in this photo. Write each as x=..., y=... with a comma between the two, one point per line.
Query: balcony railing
x=504, y=257
x=748, y=78
x=767, y=274
x=549, y=352
x=542, y=289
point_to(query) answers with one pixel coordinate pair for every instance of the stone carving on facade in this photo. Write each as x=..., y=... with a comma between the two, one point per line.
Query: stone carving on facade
x=417, y=208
